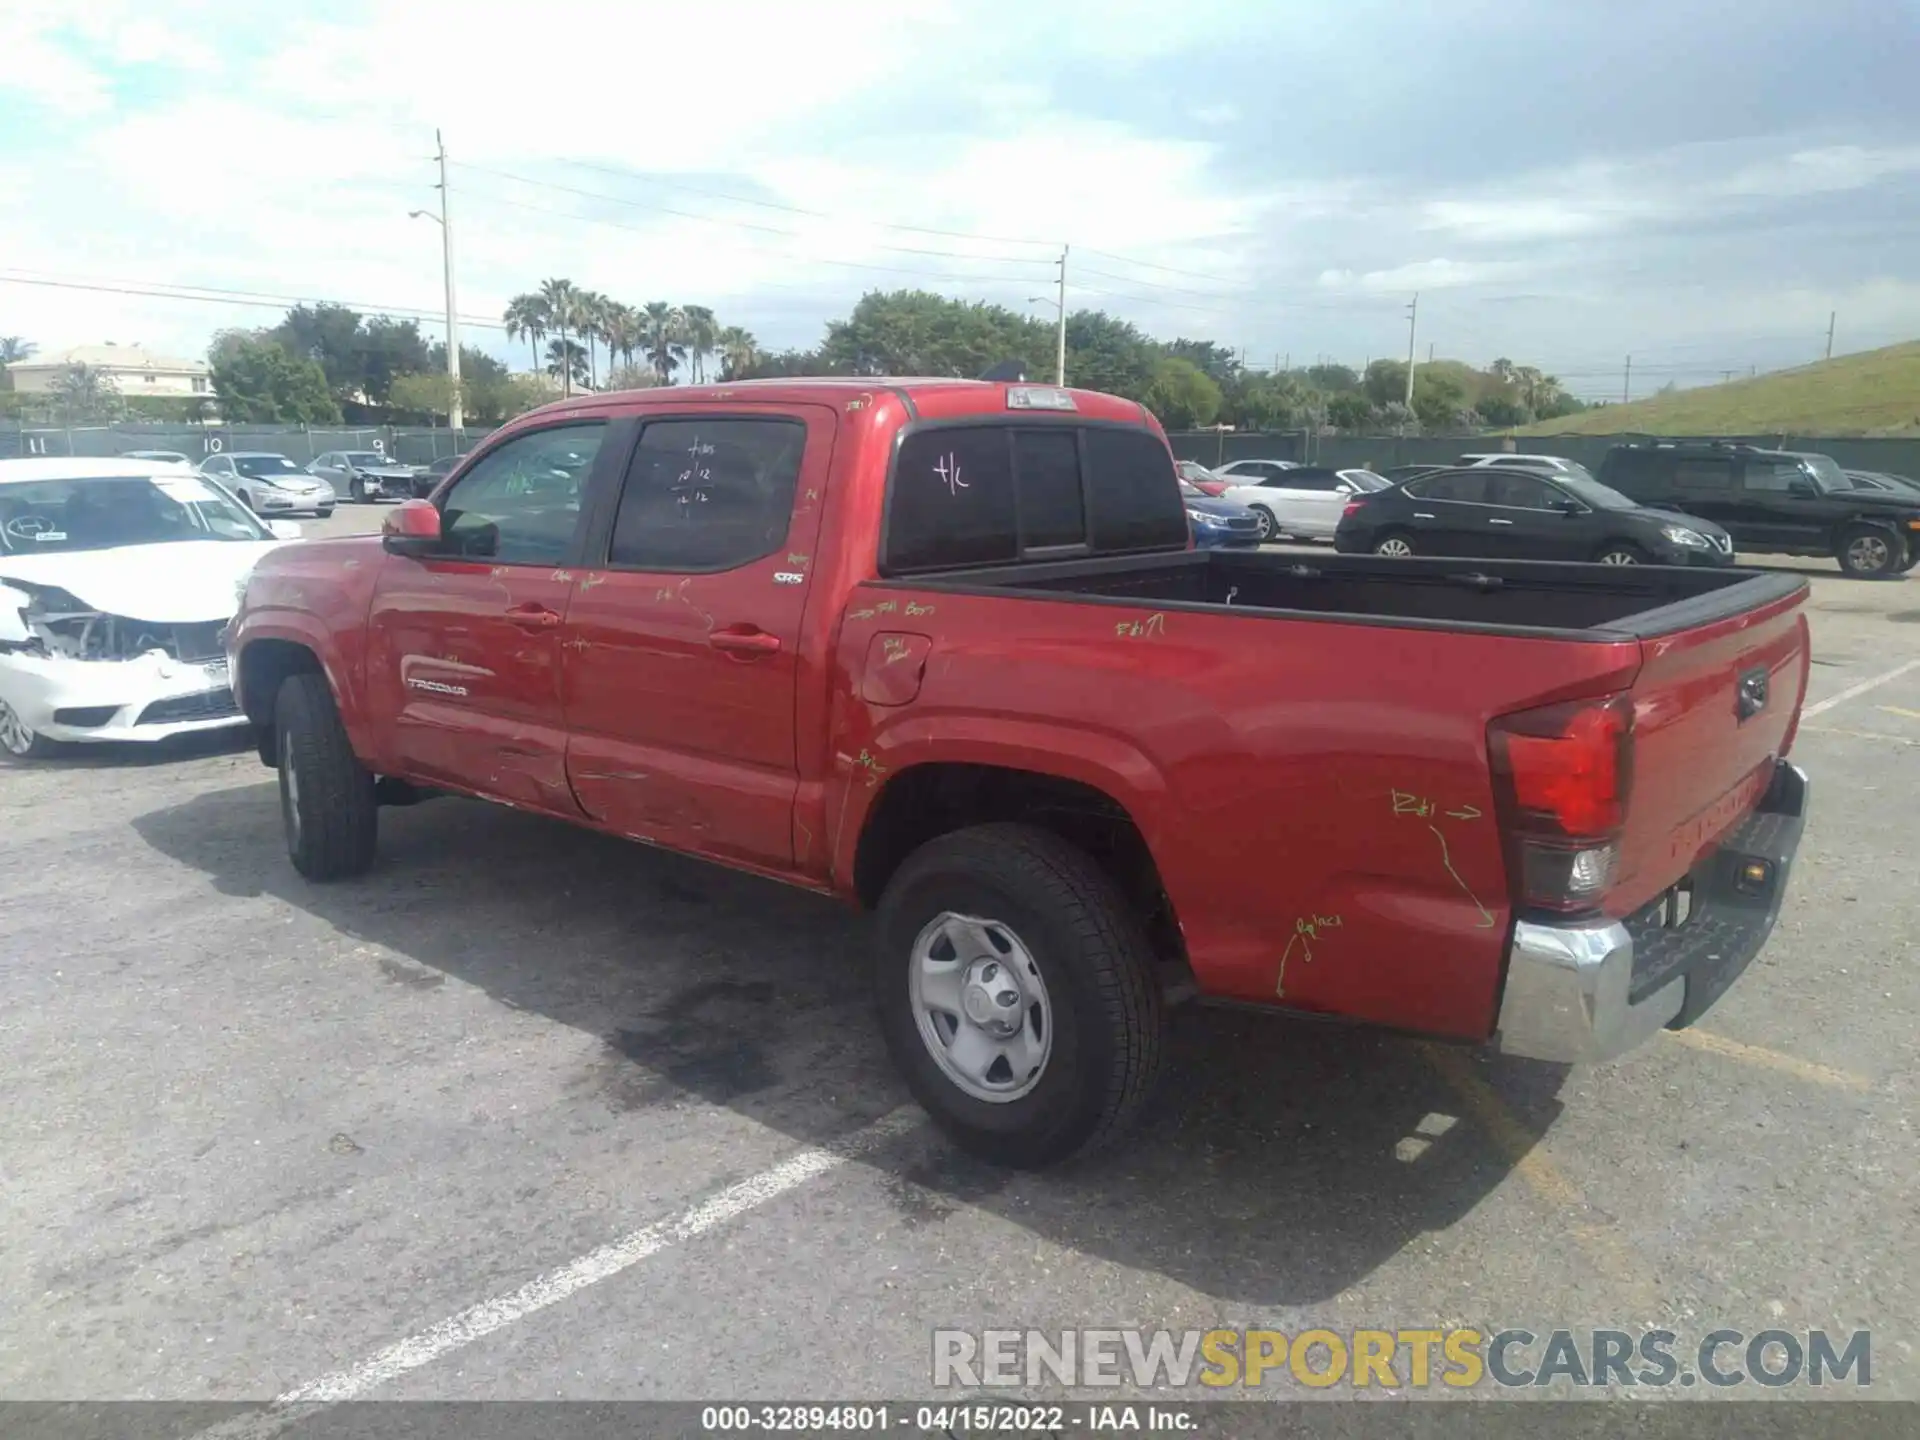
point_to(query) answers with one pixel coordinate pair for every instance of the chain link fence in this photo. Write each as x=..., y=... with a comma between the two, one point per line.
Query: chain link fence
x=299, y=443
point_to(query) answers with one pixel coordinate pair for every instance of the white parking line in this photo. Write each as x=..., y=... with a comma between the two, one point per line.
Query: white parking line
x=1853, y=691
x=537, y=1294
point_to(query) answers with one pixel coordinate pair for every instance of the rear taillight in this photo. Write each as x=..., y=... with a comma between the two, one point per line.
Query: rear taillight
x=1562, y=775
x=1353, y=506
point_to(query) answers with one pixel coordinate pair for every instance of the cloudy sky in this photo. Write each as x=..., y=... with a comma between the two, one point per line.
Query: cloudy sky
x=1563, y=182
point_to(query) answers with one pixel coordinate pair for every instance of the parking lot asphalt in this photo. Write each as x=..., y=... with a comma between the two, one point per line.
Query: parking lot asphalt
x=533, y=1114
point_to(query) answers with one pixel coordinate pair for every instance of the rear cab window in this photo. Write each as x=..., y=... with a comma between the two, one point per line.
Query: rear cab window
x=994, y=492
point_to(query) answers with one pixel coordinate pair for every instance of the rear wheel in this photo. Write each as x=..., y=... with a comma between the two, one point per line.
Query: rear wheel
x=1017, y=994
x=1395, y=545
x=326, y=795
x=1868, y=552
x=1619, y=552
x=1269, y=527
x=20, y=739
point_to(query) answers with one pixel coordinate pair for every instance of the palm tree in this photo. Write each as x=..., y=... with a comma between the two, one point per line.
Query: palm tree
x=594, y=310
x=562, y=299
x=15, y=348
x=622, y=332
x=566, y=362
x=664, y=341
x=738, y=352
x=699, y=329
x=527, y=315
x=86, y=393
x=1502, y=370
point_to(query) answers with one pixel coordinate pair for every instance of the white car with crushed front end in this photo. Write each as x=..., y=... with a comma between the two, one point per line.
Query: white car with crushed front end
x=116, y=580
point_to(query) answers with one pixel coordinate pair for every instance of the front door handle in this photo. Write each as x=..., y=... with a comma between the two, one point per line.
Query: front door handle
x=1497, y=521
x=533, y=616
x=1421, y=515
x=743, y=641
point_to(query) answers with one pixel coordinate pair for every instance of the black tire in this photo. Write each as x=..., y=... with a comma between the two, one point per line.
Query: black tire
x=357, y=490
x=1269, y=526
x=324, y=514
x=246, y=499
x=1913, y=556
x=1096, y=963
x=1869, y=552
x=1380, y=545
x=326, y=796
x=1621, y=552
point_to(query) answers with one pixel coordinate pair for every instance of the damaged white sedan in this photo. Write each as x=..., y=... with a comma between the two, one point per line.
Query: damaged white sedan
x=116, y=580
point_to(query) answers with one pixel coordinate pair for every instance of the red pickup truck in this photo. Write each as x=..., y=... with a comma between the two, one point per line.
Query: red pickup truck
x=944, y=649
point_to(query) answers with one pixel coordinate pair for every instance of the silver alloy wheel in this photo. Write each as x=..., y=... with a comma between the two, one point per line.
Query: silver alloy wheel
x=1263, y=517
x=1619, y=557
x=1868, y=552
x=15, y=734
x=1394, y=548
x=981, y=1006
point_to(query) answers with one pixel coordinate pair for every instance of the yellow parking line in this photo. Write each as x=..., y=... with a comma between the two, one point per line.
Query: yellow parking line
x=1771, y=1059
x=1530, y=1161
x=1896, y=710
x=1858, y=734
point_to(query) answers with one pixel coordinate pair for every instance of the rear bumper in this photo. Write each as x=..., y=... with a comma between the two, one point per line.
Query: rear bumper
x=1590, y=992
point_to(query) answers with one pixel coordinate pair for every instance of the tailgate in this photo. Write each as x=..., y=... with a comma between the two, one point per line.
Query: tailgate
x=1713, y=707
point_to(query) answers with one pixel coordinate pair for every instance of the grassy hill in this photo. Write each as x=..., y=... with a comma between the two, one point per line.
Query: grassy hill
x=1876, y=392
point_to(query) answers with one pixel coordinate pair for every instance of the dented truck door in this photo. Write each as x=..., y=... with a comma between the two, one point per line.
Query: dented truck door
x=681, y=648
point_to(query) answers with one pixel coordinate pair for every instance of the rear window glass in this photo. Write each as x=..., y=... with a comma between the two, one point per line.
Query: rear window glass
x=1136, y=505
x=1703, y=474
x=1463, y=485
x=977, y=495
x=952, y=500
x=1048, y=464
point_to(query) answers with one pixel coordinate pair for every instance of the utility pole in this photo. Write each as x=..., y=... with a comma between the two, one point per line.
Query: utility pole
x=1060, y=347
x=1832, y=315
x=456, y=417
x=1626, y=383
x=1429, y=352
x=1413, y=321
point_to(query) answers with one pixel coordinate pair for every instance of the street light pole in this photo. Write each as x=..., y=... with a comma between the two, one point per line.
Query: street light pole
x=1060, y=353
x=456, y=417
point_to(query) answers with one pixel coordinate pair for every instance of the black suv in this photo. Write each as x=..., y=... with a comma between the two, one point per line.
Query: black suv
x=1524, y=515
x=1782, y=502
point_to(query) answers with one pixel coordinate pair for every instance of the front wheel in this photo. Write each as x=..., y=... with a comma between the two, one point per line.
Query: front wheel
x=20, y=739
x=1867, y=552
x=326, y=795
x=1397, y=546
x=1017, y=994
x=357, y=489
x=1269, y=527
x=1621, y=553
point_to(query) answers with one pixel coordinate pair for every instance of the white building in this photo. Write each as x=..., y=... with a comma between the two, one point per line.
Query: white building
x=134, y=371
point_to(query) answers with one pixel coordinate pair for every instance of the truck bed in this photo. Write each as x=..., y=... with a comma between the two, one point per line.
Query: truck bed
x=1540, y=598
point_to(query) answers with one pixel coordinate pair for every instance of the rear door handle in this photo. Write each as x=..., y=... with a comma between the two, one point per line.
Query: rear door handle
x=1494, y=520
x=533, y=616
x=1421, y=515
x=743, y=641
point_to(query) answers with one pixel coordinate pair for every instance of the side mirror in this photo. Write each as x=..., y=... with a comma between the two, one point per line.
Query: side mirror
x=1343, y=488
x=284, y=529
x=1569, y=507
x=413, y=528
x=1802, y=487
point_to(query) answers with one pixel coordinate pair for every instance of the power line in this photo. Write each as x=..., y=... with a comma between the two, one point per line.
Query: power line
x=736, y=224
x=207, y=295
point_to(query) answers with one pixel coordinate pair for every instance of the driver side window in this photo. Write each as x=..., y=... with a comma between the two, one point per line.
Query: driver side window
x=520, y=505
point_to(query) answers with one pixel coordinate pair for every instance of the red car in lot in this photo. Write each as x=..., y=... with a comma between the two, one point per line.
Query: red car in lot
x=944, y=649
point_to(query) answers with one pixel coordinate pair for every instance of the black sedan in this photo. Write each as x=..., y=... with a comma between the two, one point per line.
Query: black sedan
x=1515, y=515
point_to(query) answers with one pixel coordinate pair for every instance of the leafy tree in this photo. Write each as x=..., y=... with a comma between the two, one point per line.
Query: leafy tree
x=1219, y=362
x=663, y=329
x=1108, y=354
x=84, y=392
x=526, y=315
x=738, y=352
x=1183, y=395
x=422, y=394
x=1438, y=398
x=789, y=363
x=259, y=380
x=912, y=332
x=389, y=348
x=1333, y=379
x=1502, y=411
x=329, y=334
x=632, y=377
x=1385, y=383
x=1349, y=410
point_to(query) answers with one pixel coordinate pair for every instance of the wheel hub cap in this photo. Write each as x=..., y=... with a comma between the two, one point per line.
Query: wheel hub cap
x=981, y=1006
